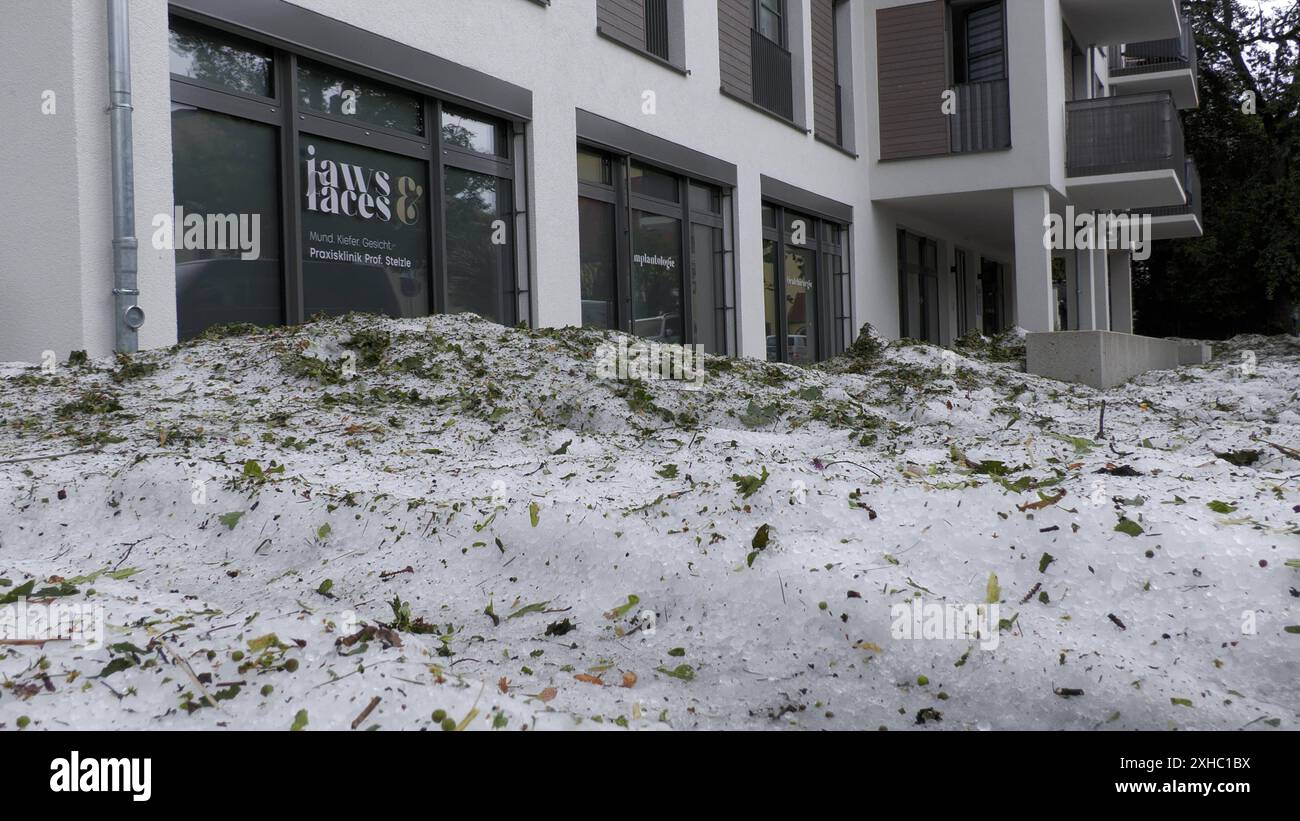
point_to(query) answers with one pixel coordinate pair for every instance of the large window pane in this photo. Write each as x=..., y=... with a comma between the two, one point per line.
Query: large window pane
x=769, y=20
x=365, y=230
x=706, y=287
x=217, y=58
x=596, y=238
x=226, y=166
x=326, y=90
x=800, y=229
x=472, y=132
x=771, y=320
x=800, y=306
x=479, y=248
x=649, y=182
x=705, y=198
x=595, y=168
x=656, y=277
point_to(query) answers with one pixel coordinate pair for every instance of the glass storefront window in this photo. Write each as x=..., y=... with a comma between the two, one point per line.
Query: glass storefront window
x=656, y=257
x=218, y=59
x=800, y=306
x=707, y=301
x=373, y=236
x=706, y=198
x=800, y=229
x=599, y=263
x=473, y=133
x=594, y=168
x=225, y=168
x=326, y=90
x=771, y=322
x=656, y=277
x=365, y=230
x=806, y=285
x=650, y=182
x=479, y=246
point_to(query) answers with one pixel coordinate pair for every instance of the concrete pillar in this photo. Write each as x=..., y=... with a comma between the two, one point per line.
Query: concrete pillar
x=1121, y=291
x=1101, y=284
x=1094, y=290
x=1035, y=308
x=1086, y=318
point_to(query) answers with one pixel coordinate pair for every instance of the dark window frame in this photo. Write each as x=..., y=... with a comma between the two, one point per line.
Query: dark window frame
x=905, y=329
x=619, y=194
x=782, y=15
x=832, y=290
x=958, y=60
x=282, y=111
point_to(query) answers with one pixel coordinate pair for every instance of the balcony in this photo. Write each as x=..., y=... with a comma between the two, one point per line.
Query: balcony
x=1125, y=153
x=1180, y=221
x=1158, y=65
x=1121, y=21
x=981, y=118
x=773, y=80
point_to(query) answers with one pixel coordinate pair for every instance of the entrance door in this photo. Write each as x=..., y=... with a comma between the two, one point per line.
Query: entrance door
x=960, y=287
x=991, y=289
x=919, y=286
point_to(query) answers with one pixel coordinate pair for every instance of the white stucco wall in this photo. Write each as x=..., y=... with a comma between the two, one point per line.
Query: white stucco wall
x=56, y=233
x=40, y=231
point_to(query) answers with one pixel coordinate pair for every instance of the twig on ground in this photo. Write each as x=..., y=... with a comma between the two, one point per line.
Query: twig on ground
x=370, y=708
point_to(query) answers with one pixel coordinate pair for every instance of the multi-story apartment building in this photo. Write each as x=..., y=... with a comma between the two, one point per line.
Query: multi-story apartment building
x=757, y=176
x=1054, y=108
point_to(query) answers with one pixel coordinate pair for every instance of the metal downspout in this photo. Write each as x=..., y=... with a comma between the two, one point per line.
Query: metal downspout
x=128, y=317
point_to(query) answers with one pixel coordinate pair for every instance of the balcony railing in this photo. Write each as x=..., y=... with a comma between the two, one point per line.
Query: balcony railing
x=1192, y=185
x=1116, y=135
x=839, y=114
x=1155, y=55
x=773, y=81
x=981, y=119
x=656, y=27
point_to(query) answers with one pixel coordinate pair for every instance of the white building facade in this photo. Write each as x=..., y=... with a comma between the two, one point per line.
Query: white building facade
x=758, y=176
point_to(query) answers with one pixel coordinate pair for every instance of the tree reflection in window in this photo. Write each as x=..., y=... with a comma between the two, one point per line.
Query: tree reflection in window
x=479, y=245
x=210, y=57
x=326, y=90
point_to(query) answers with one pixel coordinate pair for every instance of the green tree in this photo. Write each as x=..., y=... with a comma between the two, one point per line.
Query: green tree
x=1243, y=275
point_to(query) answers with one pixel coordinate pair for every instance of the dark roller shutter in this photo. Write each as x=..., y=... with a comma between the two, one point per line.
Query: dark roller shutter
x=984, y=45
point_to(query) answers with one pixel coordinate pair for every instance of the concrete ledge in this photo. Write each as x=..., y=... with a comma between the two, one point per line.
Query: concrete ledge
x=1194, y=353
x=1104, y=359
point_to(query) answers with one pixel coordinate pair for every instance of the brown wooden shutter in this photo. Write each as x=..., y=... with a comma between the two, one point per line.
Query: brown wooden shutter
x=825, y=87
x=623, y=20
x=911, y=49
x=735, y=20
